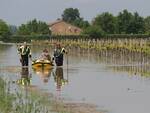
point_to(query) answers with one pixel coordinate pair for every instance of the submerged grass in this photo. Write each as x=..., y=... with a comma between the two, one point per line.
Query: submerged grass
x=132, y=44
x=32, y=100
x=6, y=99
x=27, y=101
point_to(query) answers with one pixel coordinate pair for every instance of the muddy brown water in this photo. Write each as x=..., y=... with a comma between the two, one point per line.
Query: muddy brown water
x=118, y=82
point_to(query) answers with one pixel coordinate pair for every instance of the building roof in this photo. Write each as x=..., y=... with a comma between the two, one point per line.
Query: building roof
x=56, y=22
x=64, y=28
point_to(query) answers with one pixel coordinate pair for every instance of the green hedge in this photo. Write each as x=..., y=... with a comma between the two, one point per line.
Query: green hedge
x=69, y=36
x=112, y=36
x=28, y=38
x=108, y=36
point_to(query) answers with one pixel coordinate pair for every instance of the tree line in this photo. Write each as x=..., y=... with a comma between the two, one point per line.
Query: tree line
x=106, y=23
x=32, y=29
x=103, y=24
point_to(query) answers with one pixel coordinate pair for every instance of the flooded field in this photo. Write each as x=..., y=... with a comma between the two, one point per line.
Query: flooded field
x=117, y=81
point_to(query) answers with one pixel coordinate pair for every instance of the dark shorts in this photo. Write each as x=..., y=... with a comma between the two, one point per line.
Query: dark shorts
x=59, y=60
x=24, y=60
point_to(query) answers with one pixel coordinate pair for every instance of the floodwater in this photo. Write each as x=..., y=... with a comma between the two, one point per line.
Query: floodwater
x=115, y=81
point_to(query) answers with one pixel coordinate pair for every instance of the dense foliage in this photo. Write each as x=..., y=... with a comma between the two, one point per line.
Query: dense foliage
x=125, y=24
x=27, y=38
x=13, y=29
x=147, y=24
x=72, y=16
x=4, y=29
x=34, y=27
x=129, y=23
x=107, y=22
x=93, y=32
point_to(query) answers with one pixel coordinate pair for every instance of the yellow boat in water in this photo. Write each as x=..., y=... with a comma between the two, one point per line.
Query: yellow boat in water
x=46, y=64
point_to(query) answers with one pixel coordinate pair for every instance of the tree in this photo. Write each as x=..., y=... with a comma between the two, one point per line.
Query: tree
x=43, y=28
x=124, y=21
x=81, y=23
x=137, y=25
x=93, y=32
x=129, y=23
x=70, y=15
x=4, y=29
x=13, y=29
x=147, y=24
x=23, y=30
x=34, y=27
x=107, y=22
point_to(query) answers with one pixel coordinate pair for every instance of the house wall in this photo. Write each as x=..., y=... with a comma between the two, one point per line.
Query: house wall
x=62, y=28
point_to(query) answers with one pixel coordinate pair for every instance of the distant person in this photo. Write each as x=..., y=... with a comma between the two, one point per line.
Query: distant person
x=25, y=53
x=58, y=55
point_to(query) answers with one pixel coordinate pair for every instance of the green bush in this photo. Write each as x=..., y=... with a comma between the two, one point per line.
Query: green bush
x=27, y=38
x=112, y=36
x=87, y=35
x=93, y=32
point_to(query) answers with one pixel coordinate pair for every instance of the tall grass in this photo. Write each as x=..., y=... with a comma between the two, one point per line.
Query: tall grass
x=131, y=44
x=25, y=101
x=6, y=98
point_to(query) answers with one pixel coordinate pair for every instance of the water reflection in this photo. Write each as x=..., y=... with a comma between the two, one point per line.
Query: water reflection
x=133, y=70
x=94, y=67
x=3, y=52
x=59, y=78
x=52, y=77
x=123, y=57
x=120, y=60
x=110, y=56
x=134, y=63
x=43, y=73
x=25, y=79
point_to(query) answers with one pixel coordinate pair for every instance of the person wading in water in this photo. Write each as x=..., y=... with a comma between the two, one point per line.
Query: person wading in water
x=58, y=55
x=25, y=54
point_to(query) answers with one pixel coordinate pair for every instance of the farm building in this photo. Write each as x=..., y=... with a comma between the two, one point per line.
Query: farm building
x=60, y=27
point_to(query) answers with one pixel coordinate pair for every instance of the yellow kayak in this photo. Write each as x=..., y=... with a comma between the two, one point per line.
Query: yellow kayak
x=46, y=64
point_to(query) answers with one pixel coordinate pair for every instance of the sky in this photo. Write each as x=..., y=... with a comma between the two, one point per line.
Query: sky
x=17, y=12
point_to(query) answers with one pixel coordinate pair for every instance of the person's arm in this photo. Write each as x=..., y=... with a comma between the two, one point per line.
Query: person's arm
x=19, y=50
x=30, y=54
x=64, y=50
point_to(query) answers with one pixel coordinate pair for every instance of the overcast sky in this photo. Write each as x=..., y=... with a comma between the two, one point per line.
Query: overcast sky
x=16, y=12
